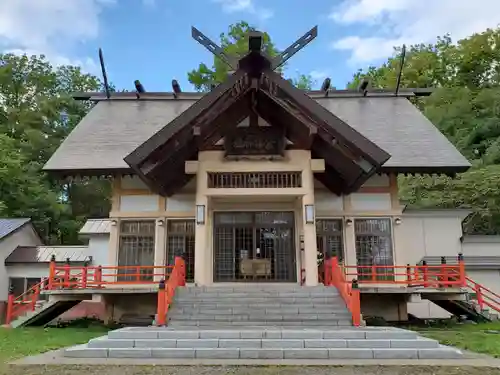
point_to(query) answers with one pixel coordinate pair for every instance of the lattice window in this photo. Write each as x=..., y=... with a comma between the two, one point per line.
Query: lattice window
x=181, y=242
x=255, y=180
x=374, y=248
x=137, y=248
x=329, y=238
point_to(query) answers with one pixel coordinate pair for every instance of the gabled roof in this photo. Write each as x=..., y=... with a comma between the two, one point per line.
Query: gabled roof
x=114, y=128
x=150, y=138
x=8, y=226
x=96, y=226
x=255, y=90
x=43, y=254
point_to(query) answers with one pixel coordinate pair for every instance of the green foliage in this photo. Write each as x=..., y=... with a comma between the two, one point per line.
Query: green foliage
x=235, y=44
x=466, y=109
x=37, y=113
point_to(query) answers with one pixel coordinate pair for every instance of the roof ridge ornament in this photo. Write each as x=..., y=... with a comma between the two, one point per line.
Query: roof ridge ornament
x=255, y=44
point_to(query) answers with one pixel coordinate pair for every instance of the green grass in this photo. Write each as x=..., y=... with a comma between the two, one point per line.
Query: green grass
x=473, y=337
x=22, y=342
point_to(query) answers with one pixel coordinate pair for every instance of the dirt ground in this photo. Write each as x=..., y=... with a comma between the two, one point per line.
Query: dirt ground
x=246, y=370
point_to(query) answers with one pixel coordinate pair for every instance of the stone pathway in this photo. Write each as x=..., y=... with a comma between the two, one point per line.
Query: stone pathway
x=57, y=358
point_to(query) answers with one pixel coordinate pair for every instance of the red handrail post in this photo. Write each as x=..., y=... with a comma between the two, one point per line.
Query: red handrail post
x=67, y=272
x=98, y=276
x=408, y=274
x=52, y=272
x=161, y=315
x=328, y=272
x=425, y=273
x=10, y=306
x=333, y=272
x=355, y=304
x=85, y=272
x=479, y=295
x=461, y=270
x=34, y=296
x=442, y=272
x=180, y=271
x=374, y=273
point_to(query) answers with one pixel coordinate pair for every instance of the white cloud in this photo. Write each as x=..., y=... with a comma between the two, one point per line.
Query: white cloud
x=247, y=6
x=408, y=21
x=51, y=27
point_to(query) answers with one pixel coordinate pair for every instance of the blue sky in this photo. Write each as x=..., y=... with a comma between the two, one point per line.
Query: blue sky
x=162, y=36
x=151, y=40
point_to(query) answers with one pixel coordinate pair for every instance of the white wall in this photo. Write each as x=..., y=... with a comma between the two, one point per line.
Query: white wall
x=432, y=233
x=486, y=246
x=29, y=270
x=98, y=248
x=25, y=236
x=428, y=233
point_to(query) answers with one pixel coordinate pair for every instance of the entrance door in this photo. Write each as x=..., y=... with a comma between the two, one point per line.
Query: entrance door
x=180, y=242
x=254, y=246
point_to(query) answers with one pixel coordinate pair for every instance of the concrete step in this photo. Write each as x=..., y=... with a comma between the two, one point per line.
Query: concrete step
x=371, y=333
x=105, y=342
x=333, y=307
x=292, y=310
x=261, y=317
x=260, y=294
x=266, y=288
x=258, y=300
x=255, y=353
x=260, y=343
x=243, y=323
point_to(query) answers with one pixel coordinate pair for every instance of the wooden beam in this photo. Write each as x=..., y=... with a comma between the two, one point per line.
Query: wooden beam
x=226, y=89
x=332, y=180
x=297, y=129
x=280, y=88
x=344, y=166
x=310, y=129
x=186, y=145
x=228, y=119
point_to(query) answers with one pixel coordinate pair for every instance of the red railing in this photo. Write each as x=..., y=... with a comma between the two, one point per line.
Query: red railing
x=420, y=275
x=18, y=306
x=484, y=296
x=83, y=277
x=166, y=291
x=439, y=276
x=348, y=290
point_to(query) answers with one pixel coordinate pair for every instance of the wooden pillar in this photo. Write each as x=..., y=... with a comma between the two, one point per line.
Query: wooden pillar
x=310, y=246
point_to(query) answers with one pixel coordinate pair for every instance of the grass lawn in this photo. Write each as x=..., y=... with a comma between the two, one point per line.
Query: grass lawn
x=21, y=342
x=473, y=337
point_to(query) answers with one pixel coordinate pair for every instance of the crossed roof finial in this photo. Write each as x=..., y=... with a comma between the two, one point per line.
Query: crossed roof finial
x=255, y=43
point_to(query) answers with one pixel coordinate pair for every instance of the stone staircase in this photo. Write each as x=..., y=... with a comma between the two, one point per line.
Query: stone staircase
x=261, y=322
x=248, y=305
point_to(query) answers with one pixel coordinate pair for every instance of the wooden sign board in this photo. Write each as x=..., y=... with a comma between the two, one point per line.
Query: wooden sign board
x=258, y=141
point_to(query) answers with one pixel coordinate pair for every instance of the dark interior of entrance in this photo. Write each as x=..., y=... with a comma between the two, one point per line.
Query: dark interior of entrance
x=254, y=246
x=180, y=242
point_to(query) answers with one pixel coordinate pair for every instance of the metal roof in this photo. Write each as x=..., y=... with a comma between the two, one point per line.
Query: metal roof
x=115, y=128
x=7, y=226
x=96, y=226
x=43, y=254
x=471, y=262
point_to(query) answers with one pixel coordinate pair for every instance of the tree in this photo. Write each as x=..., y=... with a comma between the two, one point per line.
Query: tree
x=235, y=43
x=466, y=109
x=36, y=114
